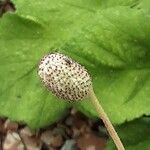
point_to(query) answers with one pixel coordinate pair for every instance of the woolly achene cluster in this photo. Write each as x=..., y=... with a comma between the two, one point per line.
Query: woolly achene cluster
x=64, y=77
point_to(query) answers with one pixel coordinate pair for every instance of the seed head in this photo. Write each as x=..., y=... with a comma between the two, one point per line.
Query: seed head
x=63, y=76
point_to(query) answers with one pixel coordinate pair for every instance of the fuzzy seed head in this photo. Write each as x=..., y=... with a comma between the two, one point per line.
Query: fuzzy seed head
x=64, y=77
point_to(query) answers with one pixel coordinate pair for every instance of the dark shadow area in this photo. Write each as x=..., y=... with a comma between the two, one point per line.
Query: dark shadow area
x=6, y=6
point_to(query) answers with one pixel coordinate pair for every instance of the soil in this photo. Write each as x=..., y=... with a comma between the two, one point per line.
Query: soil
x=73, y=132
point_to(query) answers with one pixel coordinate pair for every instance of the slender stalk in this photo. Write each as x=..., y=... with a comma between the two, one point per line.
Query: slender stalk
x=106, y=120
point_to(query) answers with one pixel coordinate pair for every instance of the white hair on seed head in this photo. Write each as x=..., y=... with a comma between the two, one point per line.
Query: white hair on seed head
x=63, y=76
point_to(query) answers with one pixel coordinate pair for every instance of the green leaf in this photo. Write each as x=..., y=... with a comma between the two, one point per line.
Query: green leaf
x=134, y=134
x=117, y=45
x=24, y=39
x=22, y=96
x=112, y=40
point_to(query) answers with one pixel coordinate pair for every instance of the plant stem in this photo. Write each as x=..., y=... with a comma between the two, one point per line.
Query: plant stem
x=106, y=120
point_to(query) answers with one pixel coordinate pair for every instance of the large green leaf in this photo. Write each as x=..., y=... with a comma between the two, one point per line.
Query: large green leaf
x=134, y=134
x=112, y=39
x=117, y=44
x=24, y=39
